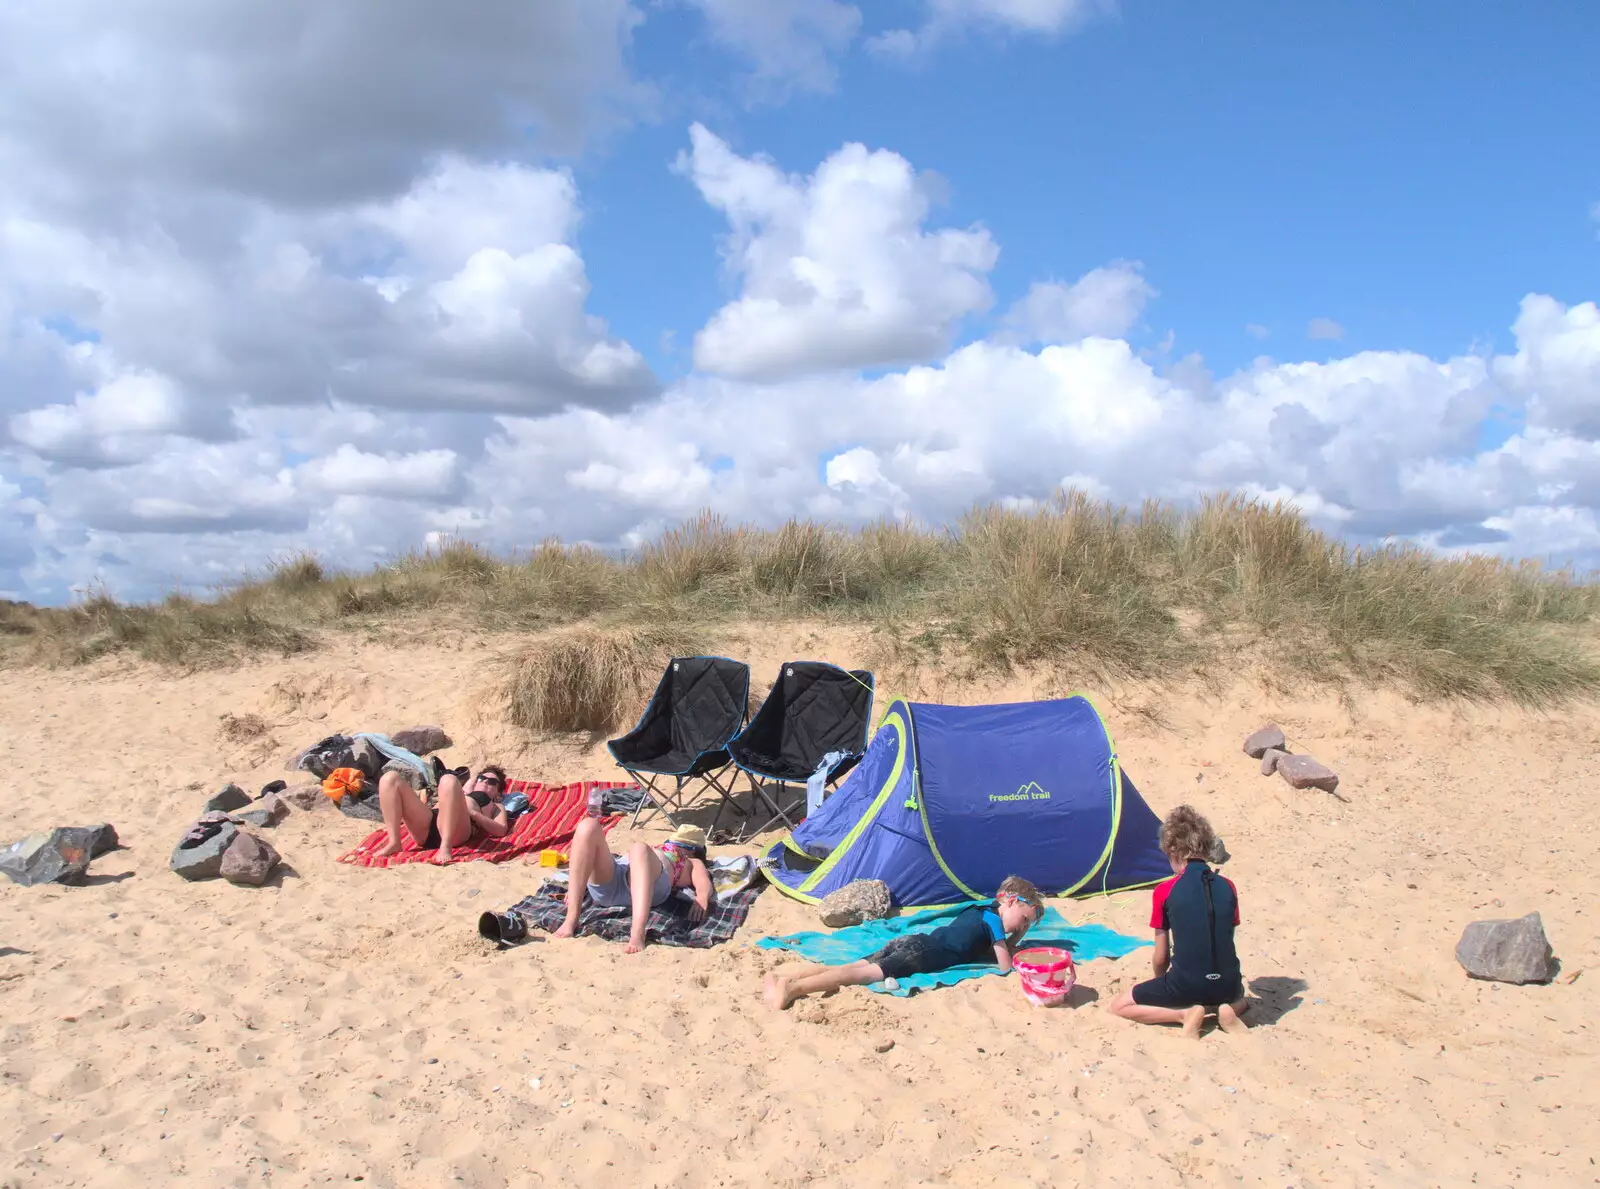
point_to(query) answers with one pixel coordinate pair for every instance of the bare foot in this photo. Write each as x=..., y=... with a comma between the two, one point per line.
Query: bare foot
x=568, y=929
x=392, y=847
x=775, y=990
x=635, y=944
x=443, y=855
x=1228, y=1020
x=1193, y=1019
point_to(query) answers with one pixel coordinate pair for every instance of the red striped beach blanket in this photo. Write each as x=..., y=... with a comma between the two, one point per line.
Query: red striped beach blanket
x=554, y=813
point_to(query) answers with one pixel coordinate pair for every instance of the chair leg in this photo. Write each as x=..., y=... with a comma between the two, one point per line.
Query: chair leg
x=774, y=806
x=725, y=794
x=656, y=799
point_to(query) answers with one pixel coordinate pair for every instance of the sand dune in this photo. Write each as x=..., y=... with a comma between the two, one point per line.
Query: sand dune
x=346, y=1023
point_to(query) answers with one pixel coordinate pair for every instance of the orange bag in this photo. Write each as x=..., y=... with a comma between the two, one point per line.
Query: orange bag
x=342, y=781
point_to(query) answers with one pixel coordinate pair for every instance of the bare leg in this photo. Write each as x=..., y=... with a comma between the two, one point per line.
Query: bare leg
x=644, y=868
x=780, y=990
x=1124, y=1006
x=399, y=803
x=1228, y=1017
x=455, y=827
x=588, y=861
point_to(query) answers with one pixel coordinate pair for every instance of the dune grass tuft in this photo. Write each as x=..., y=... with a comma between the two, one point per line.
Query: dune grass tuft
x=1073, y=585
x=589, y=679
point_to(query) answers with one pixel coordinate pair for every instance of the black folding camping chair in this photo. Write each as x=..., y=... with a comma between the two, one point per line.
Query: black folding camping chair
x=682, y=738
x=813, y=709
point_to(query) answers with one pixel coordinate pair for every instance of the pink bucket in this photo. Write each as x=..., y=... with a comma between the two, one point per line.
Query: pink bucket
x=1047, y=975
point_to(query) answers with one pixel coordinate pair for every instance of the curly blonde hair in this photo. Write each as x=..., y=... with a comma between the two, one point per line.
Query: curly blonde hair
x=1186, y=834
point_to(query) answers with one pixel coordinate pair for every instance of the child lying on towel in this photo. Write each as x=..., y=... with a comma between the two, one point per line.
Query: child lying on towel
x=982, y=933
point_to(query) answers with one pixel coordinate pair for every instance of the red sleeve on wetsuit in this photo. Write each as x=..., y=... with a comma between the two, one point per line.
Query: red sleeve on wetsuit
x=1158, y=903
x=1229, y=882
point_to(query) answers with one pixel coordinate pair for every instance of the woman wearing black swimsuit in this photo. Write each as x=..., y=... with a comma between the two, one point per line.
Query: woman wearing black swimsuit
x=462, y=811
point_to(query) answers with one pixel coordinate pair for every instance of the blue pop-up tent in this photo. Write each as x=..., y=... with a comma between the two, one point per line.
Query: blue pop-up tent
x=949, y=800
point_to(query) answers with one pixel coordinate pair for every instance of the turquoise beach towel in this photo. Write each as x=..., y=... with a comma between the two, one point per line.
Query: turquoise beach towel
x=860, y=941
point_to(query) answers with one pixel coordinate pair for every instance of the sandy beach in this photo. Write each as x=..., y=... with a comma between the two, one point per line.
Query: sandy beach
x=345, y=1025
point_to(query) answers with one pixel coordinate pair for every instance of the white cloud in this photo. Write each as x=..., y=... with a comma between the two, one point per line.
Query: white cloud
x=296, y=100
x=945, y=18
x=1256, y=331
x=1105, y=301
x=479, y=304
x=837, y=269
x=1557, y=365
x=788, y=43
x=423, y=475
x=1324, y=328
x=117, y=422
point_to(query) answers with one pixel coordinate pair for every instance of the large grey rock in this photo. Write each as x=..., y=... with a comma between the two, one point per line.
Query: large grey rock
x=368, y=758
x=1270, y=758
x=863, y=900
x=105, y=839
x=199, y=854
x=1218, y=854
x=1303, y=772
x=230, y=797
x=248, y=860
x=421, y=740
x=1268, y=736
x=413, y=777
x=1507, y=951
x=50, y=856
x=268, y=811
x=305, y=797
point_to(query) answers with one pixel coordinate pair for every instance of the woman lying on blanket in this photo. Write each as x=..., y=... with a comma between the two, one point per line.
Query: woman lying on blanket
x=644, y=878
x=462, y=812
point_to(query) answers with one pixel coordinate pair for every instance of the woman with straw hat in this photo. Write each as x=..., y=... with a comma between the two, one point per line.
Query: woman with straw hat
x=643, y=878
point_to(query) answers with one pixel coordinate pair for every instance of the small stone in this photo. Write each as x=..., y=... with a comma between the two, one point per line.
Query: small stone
x=1270, y=758
x=249, y=861
x=227, y=799
x=435, y=1061
x=421, y=740
x=1269, y=736
x=863, y=900
x=268, y=811
x=199, y=854
x=55, y=1136
x=1507, y=951
x=192, y=1017
x=883, y=1046
x=1303, y=772
x=305, y=796
x=1218, y=854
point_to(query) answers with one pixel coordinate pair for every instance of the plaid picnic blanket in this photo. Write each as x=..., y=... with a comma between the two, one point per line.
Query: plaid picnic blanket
x=669, y=924
x=553, y=814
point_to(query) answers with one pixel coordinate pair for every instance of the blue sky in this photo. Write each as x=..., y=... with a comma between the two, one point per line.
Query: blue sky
x=1400, y=169
x=350, y=278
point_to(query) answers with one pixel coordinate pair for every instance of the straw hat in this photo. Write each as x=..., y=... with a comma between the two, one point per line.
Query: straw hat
x=691, y=836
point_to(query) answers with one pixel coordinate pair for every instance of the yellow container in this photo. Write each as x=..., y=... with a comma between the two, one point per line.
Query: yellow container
x=551, y=858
